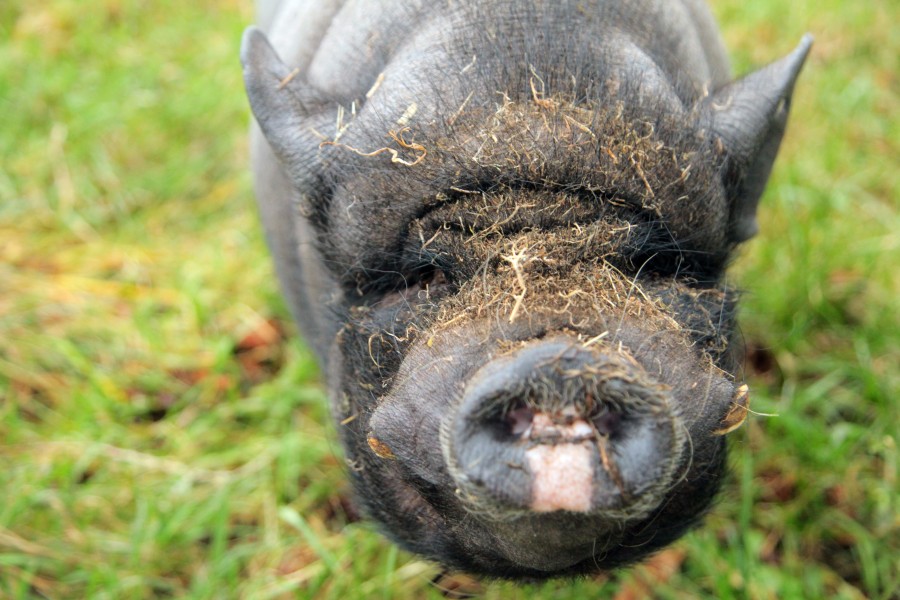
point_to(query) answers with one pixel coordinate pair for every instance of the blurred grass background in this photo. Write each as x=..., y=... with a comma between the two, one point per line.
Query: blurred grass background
x=163, y=433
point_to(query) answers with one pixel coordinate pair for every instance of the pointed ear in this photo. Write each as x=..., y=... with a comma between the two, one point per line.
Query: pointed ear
x=284, y=103
x=749, y=117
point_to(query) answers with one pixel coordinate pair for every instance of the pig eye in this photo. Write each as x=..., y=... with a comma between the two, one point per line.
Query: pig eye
x=432, y=277
x=426, y=280
x=420, y=285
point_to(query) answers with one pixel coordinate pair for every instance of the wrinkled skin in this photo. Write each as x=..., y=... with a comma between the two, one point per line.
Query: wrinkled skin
x=503, y=226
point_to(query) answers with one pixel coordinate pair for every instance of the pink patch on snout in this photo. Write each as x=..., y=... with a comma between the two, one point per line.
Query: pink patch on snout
x=562, y=477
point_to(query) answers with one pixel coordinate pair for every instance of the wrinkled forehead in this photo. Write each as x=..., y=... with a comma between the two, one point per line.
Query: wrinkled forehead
x=386, y=174
x=455, y=108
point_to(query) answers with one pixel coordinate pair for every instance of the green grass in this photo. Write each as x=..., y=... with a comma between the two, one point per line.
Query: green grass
x=150, y=448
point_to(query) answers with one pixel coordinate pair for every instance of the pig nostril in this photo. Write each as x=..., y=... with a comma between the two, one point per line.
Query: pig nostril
x=607, y=422
x=518, y=420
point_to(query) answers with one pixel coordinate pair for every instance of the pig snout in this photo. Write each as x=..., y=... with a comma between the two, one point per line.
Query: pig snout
x=555, y=426
x=551, y=449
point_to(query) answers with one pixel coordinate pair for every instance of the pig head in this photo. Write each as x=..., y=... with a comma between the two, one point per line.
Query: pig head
x=503, y=227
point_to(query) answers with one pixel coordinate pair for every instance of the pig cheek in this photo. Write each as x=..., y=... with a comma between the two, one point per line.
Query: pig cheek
x=395, y=502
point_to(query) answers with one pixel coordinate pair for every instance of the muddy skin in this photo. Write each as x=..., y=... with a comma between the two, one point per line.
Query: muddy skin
x=503, y=227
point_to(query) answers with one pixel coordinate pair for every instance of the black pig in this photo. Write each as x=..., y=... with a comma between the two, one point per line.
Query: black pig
x=502, y=226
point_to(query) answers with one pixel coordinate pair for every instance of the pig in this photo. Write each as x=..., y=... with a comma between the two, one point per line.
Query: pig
x=502, y=226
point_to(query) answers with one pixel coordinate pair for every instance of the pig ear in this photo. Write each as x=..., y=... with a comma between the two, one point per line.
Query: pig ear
x=749, y=117
x=283, y=102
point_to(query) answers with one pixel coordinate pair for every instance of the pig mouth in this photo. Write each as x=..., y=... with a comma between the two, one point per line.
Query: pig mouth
x=557, y=427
